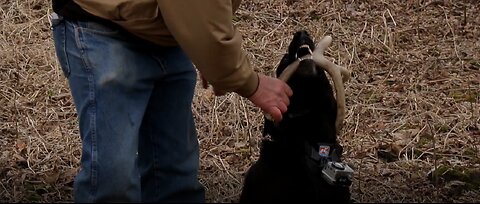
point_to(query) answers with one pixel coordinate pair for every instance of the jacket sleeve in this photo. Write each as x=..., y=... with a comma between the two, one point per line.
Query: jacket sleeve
x=205, y=31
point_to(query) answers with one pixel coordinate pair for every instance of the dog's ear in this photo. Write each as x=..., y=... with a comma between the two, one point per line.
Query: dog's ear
x=283, y=64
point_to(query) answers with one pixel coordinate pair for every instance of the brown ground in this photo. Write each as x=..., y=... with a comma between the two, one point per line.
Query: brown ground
x=413, y=103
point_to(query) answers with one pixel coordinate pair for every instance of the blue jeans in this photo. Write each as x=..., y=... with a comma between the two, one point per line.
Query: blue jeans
x=133, y=100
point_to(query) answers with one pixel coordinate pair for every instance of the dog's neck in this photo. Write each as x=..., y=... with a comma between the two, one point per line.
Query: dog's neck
x=300, y=126
x=312, y=112
x=288, y=145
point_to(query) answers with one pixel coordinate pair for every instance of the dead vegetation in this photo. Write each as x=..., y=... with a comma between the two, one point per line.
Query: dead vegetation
x=412, y=124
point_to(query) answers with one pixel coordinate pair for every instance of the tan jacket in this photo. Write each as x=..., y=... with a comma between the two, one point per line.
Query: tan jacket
x=203, y=28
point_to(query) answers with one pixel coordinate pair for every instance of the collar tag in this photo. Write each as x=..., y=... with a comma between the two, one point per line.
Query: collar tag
x=324, y=150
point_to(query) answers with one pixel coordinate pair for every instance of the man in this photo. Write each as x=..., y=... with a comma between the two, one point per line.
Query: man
x=130, y=71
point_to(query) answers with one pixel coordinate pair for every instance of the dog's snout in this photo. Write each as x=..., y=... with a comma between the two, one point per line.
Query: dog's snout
x=301, y=45
x=303, y=51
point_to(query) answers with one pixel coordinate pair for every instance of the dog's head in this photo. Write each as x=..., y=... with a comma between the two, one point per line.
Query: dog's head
x=312, y=111
x=301, y=45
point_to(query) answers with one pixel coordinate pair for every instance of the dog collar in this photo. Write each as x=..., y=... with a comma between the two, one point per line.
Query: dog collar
x=322, y=153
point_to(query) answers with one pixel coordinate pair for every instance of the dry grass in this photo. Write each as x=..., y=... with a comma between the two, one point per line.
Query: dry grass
x=413, y=103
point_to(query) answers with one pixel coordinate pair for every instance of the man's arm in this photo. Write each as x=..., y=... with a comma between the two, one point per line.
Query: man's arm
x=204, y=29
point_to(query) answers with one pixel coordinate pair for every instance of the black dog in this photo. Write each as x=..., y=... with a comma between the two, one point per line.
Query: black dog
x=290, y=167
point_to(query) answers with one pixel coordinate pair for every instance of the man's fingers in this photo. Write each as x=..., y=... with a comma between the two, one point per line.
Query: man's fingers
x=282, y=107
x=285, y=100
x=288, y=90
x=275, y=113
x=288, y=93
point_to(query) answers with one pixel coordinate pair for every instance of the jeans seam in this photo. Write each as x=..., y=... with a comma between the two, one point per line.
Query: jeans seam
x=110, y=32
x=92, y=113
x=94, y=137
x=79, y=42
x=161, y=63
x=155, y=158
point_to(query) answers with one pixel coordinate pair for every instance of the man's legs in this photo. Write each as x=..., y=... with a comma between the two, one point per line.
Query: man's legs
x=168, y=148
x=123, y=95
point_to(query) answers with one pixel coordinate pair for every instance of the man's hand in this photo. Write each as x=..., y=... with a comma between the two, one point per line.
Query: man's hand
x=272, y=96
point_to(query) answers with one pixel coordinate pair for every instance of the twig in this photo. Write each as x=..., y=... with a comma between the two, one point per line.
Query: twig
x=434, y=176
x=454, y=39
x=445, y=141
x=408, y=144
x=363, y=30
x=393, y=20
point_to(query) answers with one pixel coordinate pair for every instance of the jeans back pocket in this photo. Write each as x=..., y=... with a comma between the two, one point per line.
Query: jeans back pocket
x=57, y=24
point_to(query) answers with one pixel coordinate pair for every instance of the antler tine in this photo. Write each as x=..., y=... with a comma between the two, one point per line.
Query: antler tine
x=336, y=72
x=289, y=70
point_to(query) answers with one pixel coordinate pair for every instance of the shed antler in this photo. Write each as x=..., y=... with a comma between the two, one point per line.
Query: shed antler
x=338, y=74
